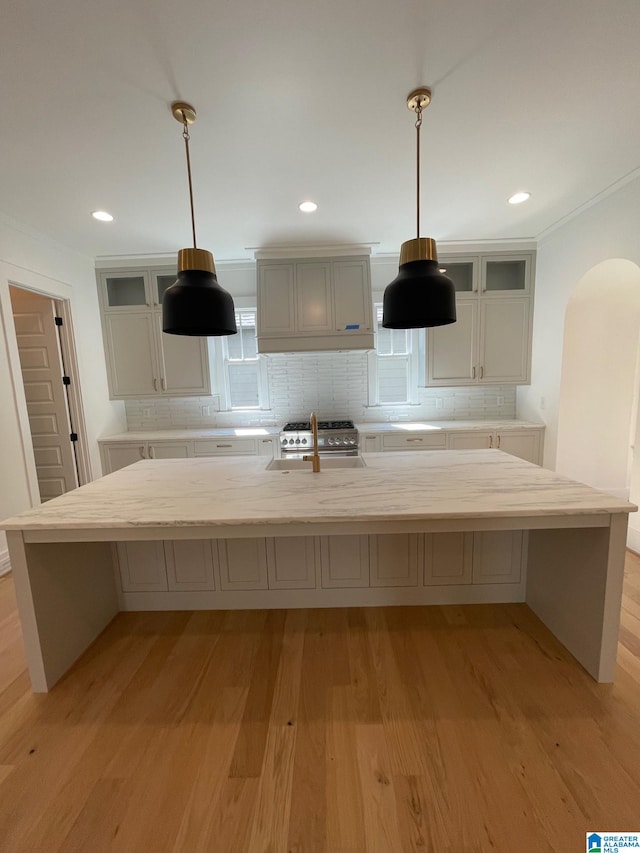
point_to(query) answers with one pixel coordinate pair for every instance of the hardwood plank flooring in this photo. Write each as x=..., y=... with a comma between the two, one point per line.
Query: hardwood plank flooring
x=383, y=730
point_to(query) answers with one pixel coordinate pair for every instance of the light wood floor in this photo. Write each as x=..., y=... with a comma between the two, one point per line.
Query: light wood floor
x=399, y=729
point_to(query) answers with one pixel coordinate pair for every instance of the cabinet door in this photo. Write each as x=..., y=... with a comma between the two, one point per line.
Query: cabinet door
x=313, y=285
x=497, y=556
x=142, y=566
x=352, y=295
x=504, y=340
x=291, y=562
x=267, y=447
x=131, y=354
x=394, y=559
x=242, y=563
x=276, y=302
x=170, y=450
x=452, y=350
x=471, y=440
x=448, y=558
x=502, y=275
x=436, y=440
x=116, y=456
x=522, y=443
x=344, y=561
x=370, y=443
x=122, y=291
x=189, y=564
x=464, y=275
x=184, y=363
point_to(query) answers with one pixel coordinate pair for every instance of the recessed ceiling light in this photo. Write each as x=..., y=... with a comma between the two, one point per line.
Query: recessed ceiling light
x=518, y=198
x=102, y=215
x=308, y=206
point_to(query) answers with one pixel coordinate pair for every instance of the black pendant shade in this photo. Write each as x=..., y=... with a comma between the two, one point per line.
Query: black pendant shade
x=419, y=297
x=196, y=304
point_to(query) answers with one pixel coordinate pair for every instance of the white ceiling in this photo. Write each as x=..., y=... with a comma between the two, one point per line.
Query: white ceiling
x=299, y=99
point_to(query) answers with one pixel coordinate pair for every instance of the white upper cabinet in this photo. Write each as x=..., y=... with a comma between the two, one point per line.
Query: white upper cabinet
x=141, y=360
x=314, y=305
x=490, y=343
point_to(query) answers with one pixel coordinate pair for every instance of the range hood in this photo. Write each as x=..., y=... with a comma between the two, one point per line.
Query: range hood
x=314, y=305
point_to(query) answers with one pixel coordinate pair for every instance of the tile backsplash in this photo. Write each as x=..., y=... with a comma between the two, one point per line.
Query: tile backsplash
x=335, y=385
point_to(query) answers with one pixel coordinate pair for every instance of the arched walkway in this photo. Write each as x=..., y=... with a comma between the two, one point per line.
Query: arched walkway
x=600, y=378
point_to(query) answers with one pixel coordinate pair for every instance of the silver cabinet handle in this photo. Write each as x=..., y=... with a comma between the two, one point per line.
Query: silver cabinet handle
x=152, y=452
x=490, y=441
x=155, y=384
x=142, y=453
x=164, y=383
x=224, y=445
x=267, y=440
x=473, y=375
x=481, y=372
x=498, y=441
x=413, y=440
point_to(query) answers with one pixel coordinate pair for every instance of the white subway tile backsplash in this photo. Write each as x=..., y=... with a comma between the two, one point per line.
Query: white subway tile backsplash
x=333, y=384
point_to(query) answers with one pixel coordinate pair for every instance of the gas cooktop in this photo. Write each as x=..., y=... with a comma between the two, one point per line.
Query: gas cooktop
x=299, y=426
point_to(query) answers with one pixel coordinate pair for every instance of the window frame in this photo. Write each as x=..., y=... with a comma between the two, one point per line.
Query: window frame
x=222, y=361
x=411, y=359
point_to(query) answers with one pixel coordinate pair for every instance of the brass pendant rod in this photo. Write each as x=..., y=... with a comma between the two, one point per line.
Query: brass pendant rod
x=185, y=134
x=418, y=126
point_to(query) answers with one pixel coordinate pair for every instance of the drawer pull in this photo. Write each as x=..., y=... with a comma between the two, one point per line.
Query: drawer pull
x=410, y=440
x=267, y=440
x=224, y=445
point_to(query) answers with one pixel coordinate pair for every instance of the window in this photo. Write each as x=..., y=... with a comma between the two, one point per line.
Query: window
x=393, y=366
x=244, y=381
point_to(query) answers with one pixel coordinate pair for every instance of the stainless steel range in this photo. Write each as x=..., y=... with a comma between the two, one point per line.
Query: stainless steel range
x=335, y=438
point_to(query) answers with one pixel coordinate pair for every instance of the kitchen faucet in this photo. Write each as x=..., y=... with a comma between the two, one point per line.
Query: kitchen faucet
x=315, y=457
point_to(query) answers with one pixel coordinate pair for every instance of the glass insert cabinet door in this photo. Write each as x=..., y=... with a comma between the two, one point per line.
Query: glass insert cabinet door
x=126, y=290
x=501, y=276
x=161, y=283
x=463, y=274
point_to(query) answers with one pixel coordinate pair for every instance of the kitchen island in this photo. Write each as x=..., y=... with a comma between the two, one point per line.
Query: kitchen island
x=413, y=528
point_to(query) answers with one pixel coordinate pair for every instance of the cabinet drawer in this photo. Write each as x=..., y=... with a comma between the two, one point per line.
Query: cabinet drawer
x=421, y=441
x=222, y=446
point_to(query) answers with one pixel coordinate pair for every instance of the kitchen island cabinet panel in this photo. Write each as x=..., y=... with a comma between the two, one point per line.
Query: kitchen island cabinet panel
x=242, y=563
x=291, y=562
x=394, y=559
x=344, y=561
x=497, y=556
x=189, y=564
x=448, y=558
x=142, y=566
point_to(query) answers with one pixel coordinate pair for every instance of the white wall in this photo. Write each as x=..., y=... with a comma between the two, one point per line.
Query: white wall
x=598, y=395
x=30, y=260
x=608, y=229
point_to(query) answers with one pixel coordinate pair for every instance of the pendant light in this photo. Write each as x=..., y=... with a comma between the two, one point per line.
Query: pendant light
x=420, y=296
x=195, y=304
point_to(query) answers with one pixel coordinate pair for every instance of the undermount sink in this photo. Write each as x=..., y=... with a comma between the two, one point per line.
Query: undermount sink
x=326, y=462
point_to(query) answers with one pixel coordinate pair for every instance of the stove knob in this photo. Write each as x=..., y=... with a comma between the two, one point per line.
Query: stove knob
x=331, y=442
x=304, y=440
x=290, y=441
x=352, y=441
x=284, y=441
x=297, y=441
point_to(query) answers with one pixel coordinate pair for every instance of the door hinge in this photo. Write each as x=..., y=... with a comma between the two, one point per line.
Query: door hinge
x=74, y=436
x=58, y=321
x=66, y=380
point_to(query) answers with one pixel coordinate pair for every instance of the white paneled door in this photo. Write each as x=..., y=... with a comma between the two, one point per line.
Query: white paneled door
x=45, y=393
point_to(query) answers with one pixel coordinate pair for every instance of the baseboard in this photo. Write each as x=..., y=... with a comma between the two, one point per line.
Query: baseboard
x=633, y=540
x=5, y=565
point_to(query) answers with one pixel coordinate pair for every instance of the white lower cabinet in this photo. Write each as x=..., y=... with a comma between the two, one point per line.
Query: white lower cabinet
x=526, y=444
x=393, y=559
x=142, y=566
x=448, y=558
x=189, y=564
x=497, y=556
x=242, y=564
x=344, y=561
x=370, y=443
x=325, y=562
x=119, y=455
x=291, y=562
x=170, y=449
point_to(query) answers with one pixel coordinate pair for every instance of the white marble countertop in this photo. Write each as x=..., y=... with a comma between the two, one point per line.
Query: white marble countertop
x=411, y=486
x=257, y=431
x=190, y=434
x=429, y=426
